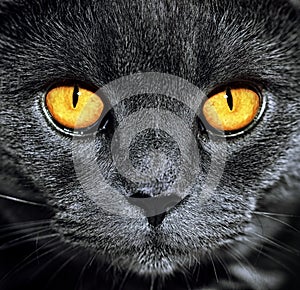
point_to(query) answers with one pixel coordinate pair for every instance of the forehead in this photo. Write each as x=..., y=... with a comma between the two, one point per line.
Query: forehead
x=201, y=41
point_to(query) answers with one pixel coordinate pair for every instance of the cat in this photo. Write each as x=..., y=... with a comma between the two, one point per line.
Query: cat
x=151, y=193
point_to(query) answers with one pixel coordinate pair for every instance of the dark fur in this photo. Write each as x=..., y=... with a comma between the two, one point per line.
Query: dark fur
x=205, y=42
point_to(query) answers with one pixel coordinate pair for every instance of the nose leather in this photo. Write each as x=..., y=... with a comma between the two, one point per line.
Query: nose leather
x=155, y=208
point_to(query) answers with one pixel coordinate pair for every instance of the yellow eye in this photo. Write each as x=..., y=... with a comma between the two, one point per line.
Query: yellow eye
x=232, y=109
x=74, y=107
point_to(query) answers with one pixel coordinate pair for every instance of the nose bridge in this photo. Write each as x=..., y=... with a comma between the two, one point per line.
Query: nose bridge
x=154, y=154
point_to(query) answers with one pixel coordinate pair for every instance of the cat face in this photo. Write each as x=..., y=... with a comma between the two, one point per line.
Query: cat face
x=152, y=187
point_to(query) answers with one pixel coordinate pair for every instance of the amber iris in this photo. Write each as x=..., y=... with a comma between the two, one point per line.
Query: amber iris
x=74, y=107
x=231, y=109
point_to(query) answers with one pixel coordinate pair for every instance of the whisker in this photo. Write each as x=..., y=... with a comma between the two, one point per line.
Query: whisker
x=239, y=258
x=275, y=243
x=23, y=231
x=126, y=276
x=69, y=248
x=63, y=265
x=214, y=267
x=195, y=270
x=152, y=283
x=86, y=265
x=34, y=231
x=266, y=255
x=27, y=261
x=224, y=267
x=188, y=286
x=275, y=214
x=25, y=224
x=16, y=199
x=23, y=240
x=279, y=221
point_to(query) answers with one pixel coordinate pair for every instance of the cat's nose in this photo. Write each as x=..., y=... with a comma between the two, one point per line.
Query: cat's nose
x=155, y=155
x=156, y=220
x=154, y=207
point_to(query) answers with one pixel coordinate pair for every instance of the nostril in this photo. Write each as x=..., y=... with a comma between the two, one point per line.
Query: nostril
x=154, y=208
x=156, y=220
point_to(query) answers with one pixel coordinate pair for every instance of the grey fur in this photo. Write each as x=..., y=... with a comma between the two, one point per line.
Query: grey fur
x=208, y=43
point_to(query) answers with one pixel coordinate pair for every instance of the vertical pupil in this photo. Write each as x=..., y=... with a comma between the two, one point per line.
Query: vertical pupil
x=75, y=96
x=229, y=98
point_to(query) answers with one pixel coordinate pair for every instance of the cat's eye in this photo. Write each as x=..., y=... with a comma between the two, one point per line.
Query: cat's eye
x=232, y=109
x=74, y=107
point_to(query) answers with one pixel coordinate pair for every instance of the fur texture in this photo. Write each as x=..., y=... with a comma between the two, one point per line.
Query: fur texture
x=244, y=235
